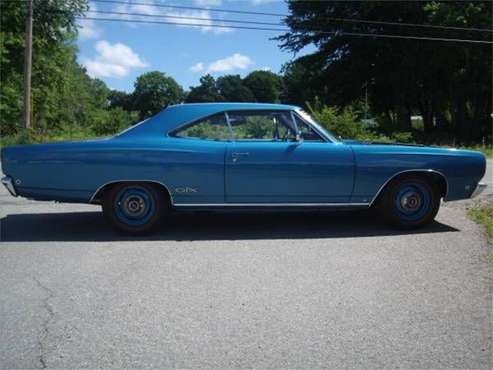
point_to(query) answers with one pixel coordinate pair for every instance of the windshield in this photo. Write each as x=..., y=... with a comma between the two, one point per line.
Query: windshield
x=312, y=122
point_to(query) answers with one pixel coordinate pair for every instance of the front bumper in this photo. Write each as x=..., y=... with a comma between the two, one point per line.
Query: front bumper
x=479, y=189
x=9, y=184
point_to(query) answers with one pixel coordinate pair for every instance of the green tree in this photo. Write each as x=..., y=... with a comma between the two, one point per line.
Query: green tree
x=53, y=34
x=232, y=89
x=153, y=92
x=448, y=83
x=266, y=86
x=207, y=91
x=120, y=99
x=301, y=79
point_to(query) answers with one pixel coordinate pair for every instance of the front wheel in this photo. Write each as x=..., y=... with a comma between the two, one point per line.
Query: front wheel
x=409, y=202
x=134, y=208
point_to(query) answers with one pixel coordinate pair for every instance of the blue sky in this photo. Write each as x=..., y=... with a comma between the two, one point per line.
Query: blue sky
x=118, y=52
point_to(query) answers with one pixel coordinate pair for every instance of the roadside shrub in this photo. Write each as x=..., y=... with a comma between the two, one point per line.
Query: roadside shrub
x=341, y=122
x=112, y=121
x=346, y=124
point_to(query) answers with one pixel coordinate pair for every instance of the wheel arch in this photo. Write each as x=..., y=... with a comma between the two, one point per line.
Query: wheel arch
x=98, y=194
x=434, y=176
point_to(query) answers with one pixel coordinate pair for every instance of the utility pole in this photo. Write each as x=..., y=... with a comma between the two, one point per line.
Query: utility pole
x=28, y=55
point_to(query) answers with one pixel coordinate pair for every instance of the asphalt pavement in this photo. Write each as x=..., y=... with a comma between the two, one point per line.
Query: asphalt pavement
x=297, y=290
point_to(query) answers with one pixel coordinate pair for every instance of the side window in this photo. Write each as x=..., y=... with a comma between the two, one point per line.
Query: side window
x=306, y=132
x=262, y=125
x=211, y=128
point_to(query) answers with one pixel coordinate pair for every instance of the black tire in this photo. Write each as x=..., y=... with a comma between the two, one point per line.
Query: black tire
x=409, y=202
x=134, y=207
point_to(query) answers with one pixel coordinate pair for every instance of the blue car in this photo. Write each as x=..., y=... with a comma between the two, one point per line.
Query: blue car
x=240, y=155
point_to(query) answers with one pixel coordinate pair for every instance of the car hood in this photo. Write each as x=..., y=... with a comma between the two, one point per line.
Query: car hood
x=413, y=149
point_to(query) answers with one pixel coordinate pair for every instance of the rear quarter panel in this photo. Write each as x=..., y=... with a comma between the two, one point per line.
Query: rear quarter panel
x=74, y=171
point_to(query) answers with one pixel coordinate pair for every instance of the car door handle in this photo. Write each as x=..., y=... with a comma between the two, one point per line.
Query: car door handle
x=236, y=155
x=240, y=154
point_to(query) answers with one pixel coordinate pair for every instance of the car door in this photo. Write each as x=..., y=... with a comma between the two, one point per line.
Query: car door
x=266, y=164
x=195, y=166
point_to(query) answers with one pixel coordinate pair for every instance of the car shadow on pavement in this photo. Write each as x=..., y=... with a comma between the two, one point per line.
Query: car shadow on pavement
x=91, y=226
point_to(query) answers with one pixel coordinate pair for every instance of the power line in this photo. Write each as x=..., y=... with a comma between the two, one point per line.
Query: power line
x=195, y=18
x=184, y=17
x=235, y=21
x=191, y=8
x=335, y=33
x=184, y=24
x=286, y=15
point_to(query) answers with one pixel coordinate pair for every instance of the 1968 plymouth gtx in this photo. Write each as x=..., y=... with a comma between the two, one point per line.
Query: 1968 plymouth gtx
x=219, y=155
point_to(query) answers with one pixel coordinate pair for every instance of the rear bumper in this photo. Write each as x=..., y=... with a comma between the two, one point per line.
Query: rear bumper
x=479, y=189
x=9, y=184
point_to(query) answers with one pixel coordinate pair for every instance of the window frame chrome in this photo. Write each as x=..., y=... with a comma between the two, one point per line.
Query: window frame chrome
x=171, y=133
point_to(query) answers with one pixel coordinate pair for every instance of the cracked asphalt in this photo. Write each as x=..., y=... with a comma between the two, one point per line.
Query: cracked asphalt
x=297, y=290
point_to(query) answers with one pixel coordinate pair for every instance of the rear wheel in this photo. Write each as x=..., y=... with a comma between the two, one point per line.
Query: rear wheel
x=134, y=208
x=410, y=202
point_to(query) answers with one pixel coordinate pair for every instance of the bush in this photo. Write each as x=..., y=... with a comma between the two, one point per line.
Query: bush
x=103, y=123
x=346, y=123
x=112, y=121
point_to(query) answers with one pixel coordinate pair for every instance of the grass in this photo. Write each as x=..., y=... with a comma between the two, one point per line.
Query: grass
x=482, y=213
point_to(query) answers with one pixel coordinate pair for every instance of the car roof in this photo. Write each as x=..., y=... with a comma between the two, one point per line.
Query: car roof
x=234, y=106
x=176, y=115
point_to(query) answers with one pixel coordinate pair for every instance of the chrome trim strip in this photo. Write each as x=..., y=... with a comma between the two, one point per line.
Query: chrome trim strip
x=9, y=184
x=271, y=204
x=170, y=133
x=115, y=181
x=228, y=122
x=413, y=170
x=479, y=189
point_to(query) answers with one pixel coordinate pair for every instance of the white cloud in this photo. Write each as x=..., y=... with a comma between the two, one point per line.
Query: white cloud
x=206, y=23
x=207, y=2
x=235, y=61
x=112, y=60
x=261, y=2
x=163, y=14
x=88, y=28
x=199, y=67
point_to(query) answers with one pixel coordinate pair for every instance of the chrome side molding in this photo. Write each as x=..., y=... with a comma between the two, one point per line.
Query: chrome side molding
x=9, y=184
x=271, y=205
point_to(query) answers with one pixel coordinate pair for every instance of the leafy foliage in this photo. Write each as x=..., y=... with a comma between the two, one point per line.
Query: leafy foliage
x=207, y=91
x=266, y=86
x=346, y=123
x=52, y=50
x=66, y=102
x=448, y=84
x=233, y=89
x=153, y=92
x=258, y=86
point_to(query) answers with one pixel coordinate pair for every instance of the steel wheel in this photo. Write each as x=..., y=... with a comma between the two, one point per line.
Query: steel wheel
x=410, y=202
x=134, y=207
